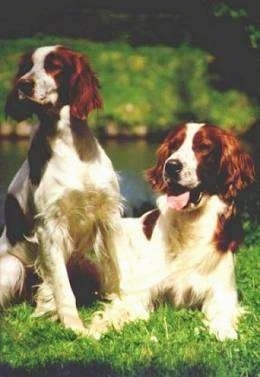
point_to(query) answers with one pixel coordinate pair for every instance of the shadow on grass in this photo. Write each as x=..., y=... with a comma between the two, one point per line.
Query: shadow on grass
x=105, y=370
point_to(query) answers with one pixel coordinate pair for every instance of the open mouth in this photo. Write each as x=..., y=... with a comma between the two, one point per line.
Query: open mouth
x=181, y=198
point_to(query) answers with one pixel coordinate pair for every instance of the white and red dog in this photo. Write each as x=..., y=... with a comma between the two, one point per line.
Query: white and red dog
x=184, y=250
x=65, y=197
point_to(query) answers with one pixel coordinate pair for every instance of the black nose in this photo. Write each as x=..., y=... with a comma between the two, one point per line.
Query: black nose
x=25, y=86
x=173, y=168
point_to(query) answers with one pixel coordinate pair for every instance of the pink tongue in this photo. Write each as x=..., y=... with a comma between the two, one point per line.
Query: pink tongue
x=178, y=202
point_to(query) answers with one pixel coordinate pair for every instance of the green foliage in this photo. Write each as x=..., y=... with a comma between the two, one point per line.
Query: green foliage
x=223, y=9
x=254, y=35
x=172, y=343
x=155, y=87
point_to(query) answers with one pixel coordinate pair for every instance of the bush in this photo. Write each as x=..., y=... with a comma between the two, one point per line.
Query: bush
x=154, y=87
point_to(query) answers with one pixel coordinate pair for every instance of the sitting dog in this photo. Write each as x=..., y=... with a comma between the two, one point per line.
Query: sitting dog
x=65, y=197
x=183, y=251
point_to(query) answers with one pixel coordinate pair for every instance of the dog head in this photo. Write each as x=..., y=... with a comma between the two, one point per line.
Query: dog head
x=53, y=76
x=197, y=160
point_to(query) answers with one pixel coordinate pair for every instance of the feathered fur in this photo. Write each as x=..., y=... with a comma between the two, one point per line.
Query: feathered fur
x=65, y=198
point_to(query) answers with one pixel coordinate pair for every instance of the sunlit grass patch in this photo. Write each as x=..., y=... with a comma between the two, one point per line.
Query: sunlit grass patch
x=172, y=343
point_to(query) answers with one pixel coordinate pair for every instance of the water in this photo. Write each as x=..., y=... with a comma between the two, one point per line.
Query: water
x=129, y=158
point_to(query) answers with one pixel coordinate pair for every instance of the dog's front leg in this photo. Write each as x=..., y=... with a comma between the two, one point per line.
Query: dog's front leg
x=221, y=307
x=55, y=247
x=119, y=311
x=222, y=315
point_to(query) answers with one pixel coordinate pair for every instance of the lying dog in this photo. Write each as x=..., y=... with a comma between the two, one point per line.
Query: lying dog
x=65, y=197
x=184, y=250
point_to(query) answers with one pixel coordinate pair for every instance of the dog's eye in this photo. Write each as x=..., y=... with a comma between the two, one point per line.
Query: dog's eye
x=53, y=66
x=175, y=145
x=204, y=147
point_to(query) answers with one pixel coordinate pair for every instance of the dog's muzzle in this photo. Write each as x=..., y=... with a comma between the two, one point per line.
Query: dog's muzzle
x=172, y=170
x=25, y=88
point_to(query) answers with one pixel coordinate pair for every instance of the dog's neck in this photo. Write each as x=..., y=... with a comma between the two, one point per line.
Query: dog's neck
x=57, y=125
x=186, y=226
x=75, y=132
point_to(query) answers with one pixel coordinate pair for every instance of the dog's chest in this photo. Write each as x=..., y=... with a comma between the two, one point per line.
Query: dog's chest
x=190, y=247
x=66, y=172
x=141, y=261
x=192, y=231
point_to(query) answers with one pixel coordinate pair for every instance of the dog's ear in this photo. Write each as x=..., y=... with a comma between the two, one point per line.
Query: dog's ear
x=14, y=107
x=83, y=89
x=172, y=142
x=154, y=175
x=236, y=170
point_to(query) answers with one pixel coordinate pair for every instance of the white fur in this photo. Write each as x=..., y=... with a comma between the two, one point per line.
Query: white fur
x=11, y=277
x=45, y=88
x=185, y=154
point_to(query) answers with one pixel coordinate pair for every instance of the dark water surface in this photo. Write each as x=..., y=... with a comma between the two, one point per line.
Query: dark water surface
x=130, y=158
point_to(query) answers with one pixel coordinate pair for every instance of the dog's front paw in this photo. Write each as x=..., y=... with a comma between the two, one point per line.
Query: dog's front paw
x=98, y=326
x=73, y=323
x=223, y=330
x=45, y=312
x=94, y=332
x=71, y=320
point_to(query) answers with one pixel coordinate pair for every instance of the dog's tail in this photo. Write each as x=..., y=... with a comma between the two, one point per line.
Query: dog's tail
x=12, y=277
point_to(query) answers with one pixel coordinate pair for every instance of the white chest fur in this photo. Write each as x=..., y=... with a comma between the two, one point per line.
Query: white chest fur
x=68, y=171
x=181, y=248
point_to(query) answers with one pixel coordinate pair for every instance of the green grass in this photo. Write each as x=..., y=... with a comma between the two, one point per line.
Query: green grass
x=153, y=86
x=172, y=343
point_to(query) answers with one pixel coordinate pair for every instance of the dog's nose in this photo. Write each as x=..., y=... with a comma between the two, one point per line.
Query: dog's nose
x=173, y=168
x=26, y=86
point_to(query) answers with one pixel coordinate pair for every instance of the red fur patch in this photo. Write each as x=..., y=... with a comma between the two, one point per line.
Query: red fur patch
x=223, y=166
x=84, y=279
x=149, y=221
x=77, y=82
x=229, y=232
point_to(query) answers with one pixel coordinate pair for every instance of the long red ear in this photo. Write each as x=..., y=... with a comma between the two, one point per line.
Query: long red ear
x=236, y=168
x=83, y=89
x=154, y=175
x=172, y=142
